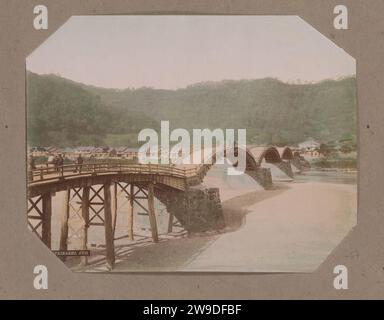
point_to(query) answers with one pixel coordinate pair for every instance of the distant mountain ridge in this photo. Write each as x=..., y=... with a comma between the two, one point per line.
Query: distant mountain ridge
x=66, y=113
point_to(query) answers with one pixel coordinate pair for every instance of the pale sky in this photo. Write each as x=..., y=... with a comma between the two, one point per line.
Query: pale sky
x=172, y=52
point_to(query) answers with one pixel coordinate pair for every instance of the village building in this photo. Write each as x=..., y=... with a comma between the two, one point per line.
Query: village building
x=37, y=151
x=309, y=145
x=310, y=148
x=84, y=150
x=127, y=153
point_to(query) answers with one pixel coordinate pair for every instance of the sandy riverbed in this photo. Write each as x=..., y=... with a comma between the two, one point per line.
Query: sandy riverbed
x=292, y=227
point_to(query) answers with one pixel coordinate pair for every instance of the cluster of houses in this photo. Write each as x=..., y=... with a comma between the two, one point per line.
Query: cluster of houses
x=96, y=152
x=310, y=148
x=314, y=149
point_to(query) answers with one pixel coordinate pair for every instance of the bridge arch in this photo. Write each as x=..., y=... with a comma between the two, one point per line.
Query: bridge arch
x=254, y=158
x=267, y=153
x=251, y=164
x=285, y=153
x=91, y=195
x=62, y=184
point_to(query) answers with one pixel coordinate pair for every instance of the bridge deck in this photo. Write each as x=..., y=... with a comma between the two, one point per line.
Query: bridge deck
x=45, y=174
x=44, y=178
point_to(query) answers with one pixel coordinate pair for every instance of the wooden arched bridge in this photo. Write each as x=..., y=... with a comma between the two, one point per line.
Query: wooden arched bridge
x=91, y=194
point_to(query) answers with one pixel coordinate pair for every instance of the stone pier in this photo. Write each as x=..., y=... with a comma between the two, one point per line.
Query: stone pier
x=285, y=166
x=262, y=175
x=198, y=209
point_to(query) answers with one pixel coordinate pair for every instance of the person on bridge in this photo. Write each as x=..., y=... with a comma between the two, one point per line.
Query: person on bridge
x=31, y=166
x=56, y=162
x=79, y=162
x=31, y=163
x=60, y=161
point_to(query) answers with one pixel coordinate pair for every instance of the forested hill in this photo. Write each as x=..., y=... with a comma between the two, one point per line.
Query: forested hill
x=270, y=110
x=62, y=113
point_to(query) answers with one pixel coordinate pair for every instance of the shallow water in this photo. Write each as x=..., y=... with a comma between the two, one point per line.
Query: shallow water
x=334, y=176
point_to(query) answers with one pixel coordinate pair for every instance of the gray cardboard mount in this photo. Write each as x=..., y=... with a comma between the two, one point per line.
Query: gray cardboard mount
x=362, y=251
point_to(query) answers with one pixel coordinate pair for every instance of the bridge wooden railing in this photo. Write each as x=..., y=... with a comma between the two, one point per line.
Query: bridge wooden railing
x=47, y=173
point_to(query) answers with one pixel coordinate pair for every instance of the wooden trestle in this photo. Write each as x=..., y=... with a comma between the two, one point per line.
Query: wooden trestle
x=92, y=206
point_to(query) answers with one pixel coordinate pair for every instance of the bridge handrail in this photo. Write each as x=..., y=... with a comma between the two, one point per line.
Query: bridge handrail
x=108, y=167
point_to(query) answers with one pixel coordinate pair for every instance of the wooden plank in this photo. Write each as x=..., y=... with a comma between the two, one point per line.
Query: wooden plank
x=151, y=212
x=140, y=205
x=130, y=212
x=85, y=216
x=34, y=205
x=46, y=219
x=109, y=242
x=34, y=217
x=34, y=228
x=64, y=222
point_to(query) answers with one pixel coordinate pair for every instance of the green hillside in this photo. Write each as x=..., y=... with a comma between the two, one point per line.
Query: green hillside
x=270, y=110
x=62, y=113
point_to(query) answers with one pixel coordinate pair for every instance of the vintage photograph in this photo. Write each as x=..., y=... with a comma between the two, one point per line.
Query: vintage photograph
x=191, y=144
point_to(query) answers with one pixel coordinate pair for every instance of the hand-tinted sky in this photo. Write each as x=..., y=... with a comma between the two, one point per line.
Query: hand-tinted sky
x=175, y=51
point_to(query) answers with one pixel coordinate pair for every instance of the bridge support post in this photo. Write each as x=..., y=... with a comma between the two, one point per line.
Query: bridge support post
x=46, y=219
x=109, y=241
x=64, y=223
x=85, y=216
x=130, y=213
x=114, y=207
x=151, y=212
